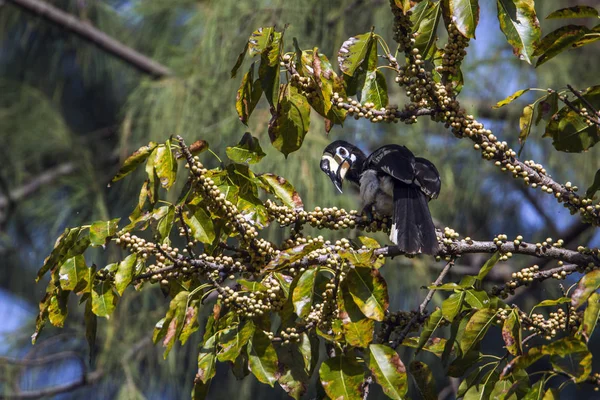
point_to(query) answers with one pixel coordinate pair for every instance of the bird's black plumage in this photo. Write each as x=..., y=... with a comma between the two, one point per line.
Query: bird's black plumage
x=394, y=182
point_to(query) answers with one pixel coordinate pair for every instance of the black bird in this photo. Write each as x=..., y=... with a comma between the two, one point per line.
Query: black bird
x=393, y=182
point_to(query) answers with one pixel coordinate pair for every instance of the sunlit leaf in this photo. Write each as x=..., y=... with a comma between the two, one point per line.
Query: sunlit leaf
x=61, y=250
x=425, y=17
x=358, y=329
x=103, y=299
x=525, y=123
x=248, y=150
x=587, y=285
x=289, y=121
x=260, y=41
x=388, y=370
x=353, y=52
x=369, y=291
x=433, y=322
x=452, y=305
x=465, y=15
x=124, y=273
x=71, y=272
x=282, y=189
x=574, y=12
x=590, y=317
x=375, y=90
x=511, y=98
x=165, y=165
x=233, y=339
x=134, y=160
x=476, y=328
x=558, y=41
x=102, y=231
x=520, y=25
x=511, y=333
x=477, y=299
x=207, y=359
x=248, y=95
x=342, y=378
x=304, y=292
x=262, y=359
x=200, y=225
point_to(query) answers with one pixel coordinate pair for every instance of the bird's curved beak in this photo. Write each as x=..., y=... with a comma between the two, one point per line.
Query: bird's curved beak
x=335, y=170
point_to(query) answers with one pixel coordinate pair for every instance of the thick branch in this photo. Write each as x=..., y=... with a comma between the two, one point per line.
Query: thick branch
x=94, y=36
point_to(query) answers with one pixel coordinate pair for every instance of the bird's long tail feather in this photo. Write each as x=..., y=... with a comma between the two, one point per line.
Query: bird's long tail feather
x=412, y=230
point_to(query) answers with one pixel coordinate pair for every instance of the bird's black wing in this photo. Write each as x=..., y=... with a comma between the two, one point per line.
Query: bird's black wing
x=393, y=160
x=427, y=177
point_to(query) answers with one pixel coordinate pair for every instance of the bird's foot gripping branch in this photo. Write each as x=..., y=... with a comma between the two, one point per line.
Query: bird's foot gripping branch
x=273, y=302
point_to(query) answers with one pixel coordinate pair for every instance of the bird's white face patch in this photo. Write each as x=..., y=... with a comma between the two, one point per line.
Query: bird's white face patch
x=333, y=164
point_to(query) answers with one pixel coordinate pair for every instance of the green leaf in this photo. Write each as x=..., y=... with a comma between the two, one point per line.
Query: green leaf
x=134, y=160
x=190, y=323
x=375, y=90
x=511, y=333
x=369, y=291
x=551, y=394
x=574, y=12
x=477, y=299
x=288, y=256
x=569, y=131
x=207, y=359
x=57, y=309
x=590, y=317
x=103, y=299
x=570, y=356
x=174, y=320
x=433, y=322
x=102, y=231
x=424, y=381
x=201, y=225
x=297, y=361
x=259, y=41
x=425, y=17
x=125, y=273
x=165, y=165
x=558, y=41
x=452, y=305
x=520, y=25
x=591, y=191
x=388, y=370
x=525, y=123
x=289, y=121
x=342, y=378
x=233, y=339
x=165, y=221
x=552, y=302
x=489, y=264
x=358, y=330
x=268, y=71
x=239, y=61
x=282, y=189
x=476, y=328
x=304, y=292
x=248, y=150
x=61, y=250
x=71, y=272
x=546, y=107
x=248, y=95
x=587, y=285
x=262, y=358
x=433, y=345
x=465, y=15
x=511, y=98
x=353, y=52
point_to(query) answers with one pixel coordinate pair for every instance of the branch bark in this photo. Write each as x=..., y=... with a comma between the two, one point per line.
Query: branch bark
x=94, y=36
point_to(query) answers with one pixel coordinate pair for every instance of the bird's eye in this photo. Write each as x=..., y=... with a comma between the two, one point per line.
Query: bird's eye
x=343, y=152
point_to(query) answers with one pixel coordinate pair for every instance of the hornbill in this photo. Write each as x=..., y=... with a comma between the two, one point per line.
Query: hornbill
x=392, y=182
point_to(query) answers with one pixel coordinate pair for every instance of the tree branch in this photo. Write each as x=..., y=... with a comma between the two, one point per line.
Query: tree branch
x=94, y=36
x=35, y=184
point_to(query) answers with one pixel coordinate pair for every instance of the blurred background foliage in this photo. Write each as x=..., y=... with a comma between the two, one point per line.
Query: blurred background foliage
x=70, y=113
